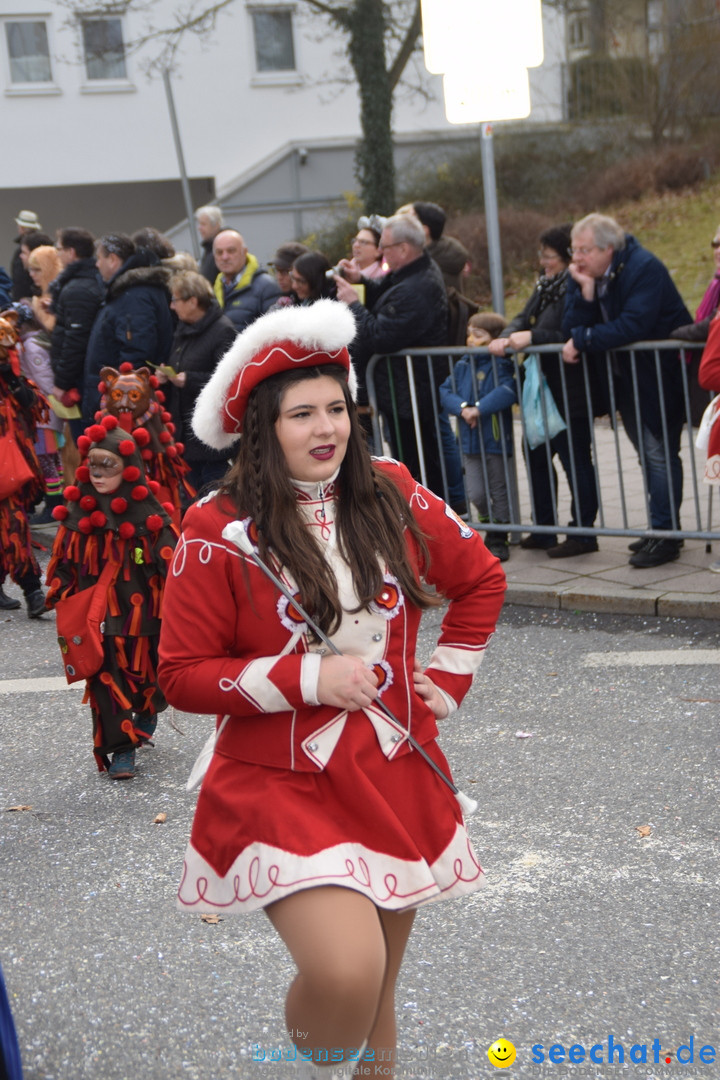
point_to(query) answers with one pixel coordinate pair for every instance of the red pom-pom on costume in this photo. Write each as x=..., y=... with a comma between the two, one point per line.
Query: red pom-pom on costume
x=126, y=447
x=82, y=474
x=118, y=505
x=83, y=444
x=168, y=508
x=126, y=530
x=146, y=455
x=131, y=473
x=180, y=447
x=96, y=432
x=140, y=492
x=109, y=422
x=98, y=519
x=154, y=486
x=101, y=390
x=160, y=396
x=71, y=493
x=141, y=436
x=171, y=426
x=165, y=416
x=154, y=522
x=85, y=525
x=165, y=437
x=60, y=513
x=125, y=368
x=88, y=502
x=153, y=380
x=171, y=451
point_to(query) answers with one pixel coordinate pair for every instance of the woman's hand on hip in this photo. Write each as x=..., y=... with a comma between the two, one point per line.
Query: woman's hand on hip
x=346, y=683
x=426, y=689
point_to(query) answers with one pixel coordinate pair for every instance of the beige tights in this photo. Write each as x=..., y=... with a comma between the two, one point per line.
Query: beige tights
x=348, y=954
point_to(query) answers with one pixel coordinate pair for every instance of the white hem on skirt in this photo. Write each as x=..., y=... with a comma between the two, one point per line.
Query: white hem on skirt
x=262, y=874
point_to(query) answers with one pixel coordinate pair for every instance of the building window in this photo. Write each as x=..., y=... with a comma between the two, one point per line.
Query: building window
x=274, y=49
x=104, y=49
x=28, y=51
x=578, y=31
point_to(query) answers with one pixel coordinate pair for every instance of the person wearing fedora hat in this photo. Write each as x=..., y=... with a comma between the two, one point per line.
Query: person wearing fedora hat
x=27, y=222
x=291, y=611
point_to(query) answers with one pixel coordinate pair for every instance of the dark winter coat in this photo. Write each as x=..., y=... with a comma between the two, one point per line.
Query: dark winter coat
x=133, y=326
x=78, y=296
x=5, y=289
x=22, y=283
x=407, y=309
x=196, y=350
x=208, y=266
x=641, y=304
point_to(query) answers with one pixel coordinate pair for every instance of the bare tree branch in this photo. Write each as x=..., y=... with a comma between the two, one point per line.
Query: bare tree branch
x=407, y=48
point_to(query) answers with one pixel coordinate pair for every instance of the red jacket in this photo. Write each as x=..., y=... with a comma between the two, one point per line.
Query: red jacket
x=227, y=644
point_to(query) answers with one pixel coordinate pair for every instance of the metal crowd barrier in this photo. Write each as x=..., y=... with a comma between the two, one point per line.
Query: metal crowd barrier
x=408, y=423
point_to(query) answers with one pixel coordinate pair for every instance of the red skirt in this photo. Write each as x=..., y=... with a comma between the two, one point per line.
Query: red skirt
x=391, y=830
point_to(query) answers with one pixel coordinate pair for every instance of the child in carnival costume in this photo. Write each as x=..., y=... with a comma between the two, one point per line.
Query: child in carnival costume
x=132, y=395
x=22, y=407
x=112, y=515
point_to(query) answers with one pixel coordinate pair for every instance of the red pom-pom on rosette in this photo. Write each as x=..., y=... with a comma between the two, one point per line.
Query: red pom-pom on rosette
x=98, y=519
x=125, y=368
x=141, y=436
x=154, y=522
x=126, y=530
x=88, y=502
x=82, y=474
x=171, y=451
x=71, y=492
x=118, y=505
x=165, y=437
x=131, y=473
x=154, y=486
x=85, y=525
x=96, y=432
x=160, y=396
x=140, y=492
x=60, y=513
x=168, y=508
x=109, y=422
x=83, y=444
x=153, y=380
x=126, y=447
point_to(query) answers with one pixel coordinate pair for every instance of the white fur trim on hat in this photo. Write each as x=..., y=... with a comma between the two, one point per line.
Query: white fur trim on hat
x=327, y=325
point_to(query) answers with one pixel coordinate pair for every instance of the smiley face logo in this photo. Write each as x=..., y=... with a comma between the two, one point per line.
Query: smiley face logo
x=501, y=1053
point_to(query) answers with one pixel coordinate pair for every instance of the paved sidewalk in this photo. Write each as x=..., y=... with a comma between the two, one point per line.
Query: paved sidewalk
x=603, y=580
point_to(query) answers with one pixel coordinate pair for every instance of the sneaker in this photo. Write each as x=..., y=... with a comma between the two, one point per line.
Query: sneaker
x=122, y=766
x=638, y=545
x=541, y=542
x=655, y=553
x=7, y=603
x=35, y=604
x=147, y=725
x=43, y=520
x=571, y=547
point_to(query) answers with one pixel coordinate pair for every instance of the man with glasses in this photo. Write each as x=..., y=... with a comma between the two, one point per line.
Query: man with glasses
x=619, y=294
x=407, y=309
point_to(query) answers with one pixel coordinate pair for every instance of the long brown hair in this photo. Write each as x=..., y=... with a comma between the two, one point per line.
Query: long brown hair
x=372, y=514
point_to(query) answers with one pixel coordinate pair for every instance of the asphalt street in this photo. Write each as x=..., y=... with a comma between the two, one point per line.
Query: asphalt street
x=597, y=778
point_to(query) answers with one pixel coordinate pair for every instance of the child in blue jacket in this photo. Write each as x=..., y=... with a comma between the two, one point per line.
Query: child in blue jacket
x=482, y=395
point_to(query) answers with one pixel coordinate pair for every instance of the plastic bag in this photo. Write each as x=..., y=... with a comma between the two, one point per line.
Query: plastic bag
x=711, y=414
x=535, y=391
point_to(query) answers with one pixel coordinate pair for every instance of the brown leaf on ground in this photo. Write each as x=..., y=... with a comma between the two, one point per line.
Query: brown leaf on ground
x=9, y=808
x=211, y=918
x=160, y=819
x=644, y=830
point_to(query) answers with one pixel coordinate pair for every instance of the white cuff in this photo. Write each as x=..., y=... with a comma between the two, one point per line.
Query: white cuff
x=309, y=678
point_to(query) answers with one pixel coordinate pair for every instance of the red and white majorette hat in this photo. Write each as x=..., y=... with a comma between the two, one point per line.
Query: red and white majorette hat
x=289, y=337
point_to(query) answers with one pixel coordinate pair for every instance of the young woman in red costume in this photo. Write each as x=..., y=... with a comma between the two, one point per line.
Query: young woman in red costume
x=316, y=807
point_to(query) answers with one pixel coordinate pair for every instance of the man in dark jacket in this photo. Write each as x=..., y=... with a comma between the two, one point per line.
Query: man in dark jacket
x=242, y=288
x=621, y=293
x=27, y=222
x=134, y=325
x=406, y=309
x=78, y=294
x=209, y=221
